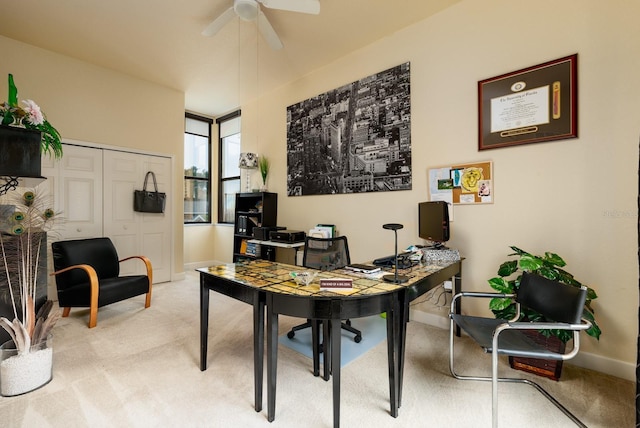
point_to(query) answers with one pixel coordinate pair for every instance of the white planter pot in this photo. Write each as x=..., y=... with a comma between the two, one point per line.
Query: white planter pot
x=20, y=374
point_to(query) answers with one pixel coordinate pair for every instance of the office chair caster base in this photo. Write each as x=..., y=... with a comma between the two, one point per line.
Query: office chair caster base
x=291, y=334
x=357, y=339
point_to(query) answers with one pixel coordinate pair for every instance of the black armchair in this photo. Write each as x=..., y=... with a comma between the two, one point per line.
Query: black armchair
x=554, y=300
x=87, y=273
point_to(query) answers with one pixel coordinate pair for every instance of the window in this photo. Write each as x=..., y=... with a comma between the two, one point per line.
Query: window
x=197, y=167
x=229, y=172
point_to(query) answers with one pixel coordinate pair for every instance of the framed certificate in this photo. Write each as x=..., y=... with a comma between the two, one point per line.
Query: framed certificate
x=531, y=105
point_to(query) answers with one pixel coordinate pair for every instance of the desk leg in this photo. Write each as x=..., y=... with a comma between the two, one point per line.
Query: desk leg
x=401, y=322
x=204, y=323
x=336, y=337
x=272, y=362
x=326, y=348
x=393, y=355
x=258, y=348
x=315, y=340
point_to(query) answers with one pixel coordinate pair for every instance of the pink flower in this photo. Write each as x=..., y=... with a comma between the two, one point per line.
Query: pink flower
x=34, y=114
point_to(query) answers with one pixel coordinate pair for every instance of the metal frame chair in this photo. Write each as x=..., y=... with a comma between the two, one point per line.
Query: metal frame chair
x=554, y=300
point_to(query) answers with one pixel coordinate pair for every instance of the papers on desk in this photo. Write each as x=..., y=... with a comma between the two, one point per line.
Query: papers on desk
x=368, y=269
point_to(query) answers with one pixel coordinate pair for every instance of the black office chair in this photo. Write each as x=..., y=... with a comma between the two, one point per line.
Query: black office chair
x=554, y=300
x=326, y=254
x=87, y=274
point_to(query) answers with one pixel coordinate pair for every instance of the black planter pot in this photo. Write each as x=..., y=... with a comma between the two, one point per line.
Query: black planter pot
x=20, y=152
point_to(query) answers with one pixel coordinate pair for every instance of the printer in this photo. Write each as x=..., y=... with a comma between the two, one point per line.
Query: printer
x=287, y=236
x=263, y=233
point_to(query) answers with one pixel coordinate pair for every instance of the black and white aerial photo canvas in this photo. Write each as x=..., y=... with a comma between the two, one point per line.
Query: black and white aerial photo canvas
x=353, y=139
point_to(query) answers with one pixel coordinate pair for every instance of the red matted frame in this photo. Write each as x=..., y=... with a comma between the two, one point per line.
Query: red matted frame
x=532, y=105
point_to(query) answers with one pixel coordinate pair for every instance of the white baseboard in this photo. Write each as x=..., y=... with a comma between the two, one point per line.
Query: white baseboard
x=606, y=365
x=586, y=360
x=429, y=319
x=178, y=276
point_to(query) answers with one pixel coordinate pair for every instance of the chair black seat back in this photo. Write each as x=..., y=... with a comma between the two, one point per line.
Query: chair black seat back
x=99, y=253
x=555, y=300
x=326, y=253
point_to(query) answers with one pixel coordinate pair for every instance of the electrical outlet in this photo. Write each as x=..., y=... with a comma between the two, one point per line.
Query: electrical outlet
x=448, y=285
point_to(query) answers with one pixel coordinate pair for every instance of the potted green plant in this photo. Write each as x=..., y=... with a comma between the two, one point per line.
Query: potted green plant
x=29, y=116
x=263, y=164
x=25, y=360
x=508, y=280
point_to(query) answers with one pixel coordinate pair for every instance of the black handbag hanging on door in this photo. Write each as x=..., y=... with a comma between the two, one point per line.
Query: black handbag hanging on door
x=145, y=201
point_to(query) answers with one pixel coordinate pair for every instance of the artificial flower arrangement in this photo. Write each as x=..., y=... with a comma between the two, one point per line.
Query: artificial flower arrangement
x=30, y=116
x=25, y=227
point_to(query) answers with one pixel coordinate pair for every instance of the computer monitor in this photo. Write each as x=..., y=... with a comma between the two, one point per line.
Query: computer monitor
x=433, y=222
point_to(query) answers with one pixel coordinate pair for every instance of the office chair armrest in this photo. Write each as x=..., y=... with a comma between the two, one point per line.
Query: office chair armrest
x=523, y=325
x=147, y=264
x=476, y=294
x=576, y=328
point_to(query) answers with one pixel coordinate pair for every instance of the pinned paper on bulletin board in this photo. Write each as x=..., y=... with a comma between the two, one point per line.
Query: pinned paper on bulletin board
x=470, y=183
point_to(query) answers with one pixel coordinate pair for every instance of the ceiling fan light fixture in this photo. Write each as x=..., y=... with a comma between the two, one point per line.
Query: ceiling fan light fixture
x=247, y=10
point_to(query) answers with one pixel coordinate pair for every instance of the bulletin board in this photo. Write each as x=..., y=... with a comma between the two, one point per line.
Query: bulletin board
x=463, y=184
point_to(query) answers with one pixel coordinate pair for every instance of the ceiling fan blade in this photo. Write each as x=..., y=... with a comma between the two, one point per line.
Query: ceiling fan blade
x=219, y=22
x=268, y=32
x=302, y=6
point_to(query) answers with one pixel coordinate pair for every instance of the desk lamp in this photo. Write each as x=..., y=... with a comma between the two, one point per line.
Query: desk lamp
x=396, y=279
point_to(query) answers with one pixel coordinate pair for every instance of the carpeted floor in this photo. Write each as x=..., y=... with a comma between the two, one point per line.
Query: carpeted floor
x=140, y=368
x=373, y=329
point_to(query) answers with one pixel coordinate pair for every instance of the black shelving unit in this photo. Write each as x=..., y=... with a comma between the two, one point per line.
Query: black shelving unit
x=252, y=210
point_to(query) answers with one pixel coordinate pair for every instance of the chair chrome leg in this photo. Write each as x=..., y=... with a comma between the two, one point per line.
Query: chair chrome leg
x=495, y=379
x=494, y=388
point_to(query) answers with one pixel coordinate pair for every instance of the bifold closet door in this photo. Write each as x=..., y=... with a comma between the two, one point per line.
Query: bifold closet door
x=135, y=233
x=75, y=183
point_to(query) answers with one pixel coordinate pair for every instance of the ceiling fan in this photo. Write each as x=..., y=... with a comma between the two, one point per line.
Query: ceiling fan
x=249, y=10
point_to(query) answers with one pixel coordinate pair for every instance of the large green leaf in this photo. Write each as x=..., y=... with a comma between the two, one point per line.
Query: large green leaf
x=7, y=119
x=554, y=259
x=507, y=268
x=500, y=285
x=594, y=330
x=530, y=263
x=548, y=272
x=506, y=314
x=500, y=304
x=565, y=277
x=518, y=251
x=13, y=92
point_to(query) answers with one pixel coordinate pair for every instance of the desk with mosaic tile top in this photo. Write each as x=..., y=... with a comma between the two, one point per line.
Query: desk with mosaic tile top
x=261, y=283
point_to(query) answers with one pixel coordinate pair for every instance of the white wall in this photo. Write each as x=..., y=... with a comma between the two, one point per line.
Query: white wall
x=95, y=105
x=574, y=197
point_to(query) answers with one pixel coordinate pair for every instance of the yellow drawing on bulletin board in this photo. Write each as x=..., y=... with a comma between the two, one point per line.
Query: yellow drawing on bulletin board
x=470, y=183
